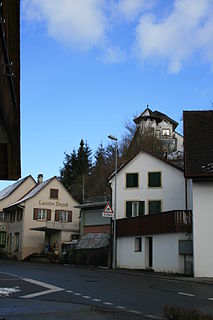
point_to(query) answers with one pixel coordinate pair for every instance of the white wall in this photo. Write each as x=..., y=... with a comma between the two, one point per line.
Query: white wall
x=203, y=228
x=166, y=256
x=172, y=192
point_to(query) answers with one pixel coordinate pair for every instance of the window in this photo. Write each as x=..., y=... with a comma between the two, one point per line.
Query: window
x=3, y=216
x=157, y=133
x=17, y=237
x=154, y=179
x=2, y=239
x=54, y=193
x=138, y=244
x=132, y=180
x=63, y=216
x=12, y=216
x=19, y=215
x=135, y=208
x=154, y=206
x=166, y=132
x=42, y=214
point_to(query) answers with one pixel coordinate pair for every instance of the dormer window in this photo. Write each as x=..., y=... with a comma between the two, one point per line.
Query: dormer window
x=53, y=193
x=166, y=132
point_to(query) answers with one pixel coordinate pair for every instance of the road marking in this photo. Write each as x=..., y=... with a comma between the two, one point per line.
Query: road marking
x=135, y=311
x=50, y=287
x=186, y=294
x=86, y=297
x=108, y=303
x=97, y=300
x=78, y=294
x=120, y=307
x=211, y=299
x=153, y=317
x=69, y=291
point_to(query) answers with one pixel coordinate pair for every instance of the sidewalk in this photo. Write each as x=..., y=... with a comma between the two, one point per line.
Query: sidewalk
x=164, y=275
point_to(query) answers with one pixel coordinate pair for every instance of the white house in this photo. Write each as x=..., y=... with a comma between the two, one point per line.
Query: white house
x=153, y=203
x=44, y=218
x=198, y=150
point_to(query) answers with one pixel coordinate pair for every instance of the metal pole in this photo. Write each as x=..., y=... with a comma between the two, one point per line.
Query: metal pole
x=115, y=195
x=114, y=226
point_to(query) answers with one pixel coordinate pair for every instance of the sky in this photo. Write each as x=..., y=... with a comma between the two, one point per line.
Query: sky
x=88, y=66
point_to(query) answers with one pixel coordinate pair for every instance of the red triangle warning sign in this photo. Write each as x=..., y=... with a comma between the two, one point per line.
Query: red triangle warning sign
x=108, y=211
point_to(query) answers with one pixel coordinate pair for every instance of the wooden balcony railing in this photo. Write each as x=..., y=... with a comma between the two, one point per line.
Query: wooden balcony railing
x=161, y=223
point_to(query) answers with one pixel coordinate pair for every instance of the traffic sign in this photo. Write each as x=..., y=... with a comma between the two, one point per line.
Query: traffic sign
x=108, y=212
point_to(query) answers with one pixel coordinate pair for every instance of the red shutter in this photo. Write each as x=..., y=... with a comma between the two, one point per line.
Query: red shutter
x=35, y=214
x=56, y=215
x=69, y=216
x=48, y=214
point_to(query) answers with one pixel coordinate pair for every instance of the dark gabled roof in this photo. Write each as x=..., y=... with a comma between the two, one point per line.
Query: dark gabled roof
x=198, y=144
x=148, y=113
x=10, y=189
x=175, y=164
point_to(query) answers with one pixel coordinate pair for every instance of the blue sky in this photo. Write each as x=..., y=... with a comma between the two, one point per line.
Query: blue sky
x=88, y=66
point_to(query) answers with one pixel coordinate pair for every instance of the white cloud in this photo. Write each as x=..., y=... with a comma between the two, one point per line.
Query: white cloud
x=130, y=9
x=78, y=23
x=113, y=55
x=186, y=31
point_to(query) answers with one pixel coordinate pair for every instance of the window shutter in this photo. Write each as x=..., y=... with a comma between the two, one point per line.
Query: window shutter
x=48, y=214
x=128, y=209
x=141, y=208
x=56, y=215
x=69, y=216
x=35, y=214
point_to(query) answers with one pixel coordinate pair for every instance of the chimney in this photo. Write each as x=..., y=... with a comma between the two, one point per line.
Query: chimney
x=40, y=178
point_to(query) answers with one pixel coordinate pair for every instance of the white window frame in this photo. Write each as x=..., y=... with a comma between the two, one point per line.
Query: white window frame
x=165, y=134
x=42, y=214
x=63, y=216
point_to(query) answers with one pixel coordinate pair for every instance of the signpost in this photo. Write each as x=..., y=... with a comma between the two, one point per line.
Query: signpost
x=108, y=212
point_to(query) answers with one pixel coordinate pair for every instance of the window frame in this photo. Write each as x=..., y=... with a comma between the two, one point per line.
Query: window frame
x=166, y=135
x=64, y=213
x=138, y=208
x=52, y=195
x=138, y=244
x=148, y=179
x=155, y=200
x=132, y=173
x=40, y=210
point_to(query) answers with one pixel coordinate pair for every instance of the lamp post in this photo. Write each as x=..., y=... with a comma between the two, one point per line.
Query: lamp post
x=115, y=194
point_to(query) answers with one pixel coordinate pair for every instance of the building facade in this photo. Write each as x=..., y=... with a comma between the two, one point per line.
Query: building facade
x=152, y=193
x=42, y=220
x=198, y=155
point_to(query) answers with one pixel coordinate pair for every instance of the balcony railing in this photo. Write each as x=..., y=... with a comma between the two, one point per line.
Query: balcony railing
x=165, y=222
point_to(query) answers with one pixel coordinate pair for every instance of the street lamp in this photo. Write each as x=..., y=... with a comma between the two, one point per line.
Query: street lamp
x=114, y=224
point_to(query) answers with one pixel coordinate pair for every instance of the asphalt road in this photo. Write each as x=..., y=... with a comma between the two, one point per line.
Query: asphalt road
x=47, y=291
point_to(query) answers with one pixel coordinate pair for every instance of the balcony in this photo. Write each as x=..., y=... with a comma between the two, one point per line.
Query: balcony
x=165, y=222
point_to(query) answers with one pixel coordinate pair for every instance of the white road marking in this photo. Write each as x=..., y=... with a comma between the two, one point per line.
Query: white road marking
x=120, y=307
x=97, y=300
x=186, y=294
x=77, y=294
x=108, y=303
x=211, y=299
x=135, y=311
x=153, y=317
x=50, y=287
x=86, y=297
x=69, y=291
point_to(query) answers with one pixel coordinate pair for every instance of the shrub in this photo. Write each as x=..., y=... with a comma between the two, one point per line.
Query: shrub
x=176, y=313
